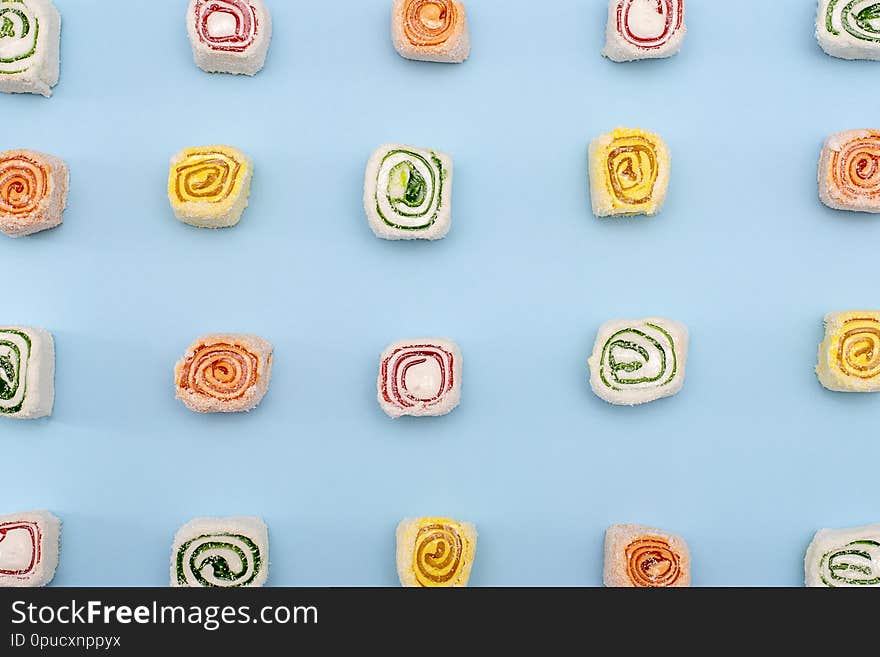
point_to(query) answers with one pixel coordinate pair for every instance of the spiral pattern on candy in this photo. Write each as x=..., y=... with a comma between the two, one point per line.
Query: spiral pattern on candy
x=858, y=351
x=858, y=18
x=224, y=560
x=206, y=176
x=19, y=31
x=397, y=365
x=238, y=39
x=855, y=168
x=409, y=189
x=15, y=351
x=438, y=554
x=222, y=371
x=651, y=562
x=855, y=564
x=632, y=169
x=23, y=185
x=429, y=22
x=671, y=11
x=641, y=357
x=24, y=540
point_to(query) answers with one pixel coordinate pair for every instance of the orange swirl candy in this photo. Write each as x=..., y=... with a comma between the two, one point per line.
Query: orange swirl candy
x=429, y=22
x=431, y=30
x=33, y=192
x=650, y=562
x=224, y=373
x=23, y=184
x=849, y=172
x=639, y=556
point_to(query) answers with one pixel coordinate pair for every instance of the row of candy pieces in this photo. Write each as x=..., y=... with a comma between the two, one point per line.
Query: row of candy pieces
x=431, y=552
x=232, y=36
x=633, y=362
x=408, y=191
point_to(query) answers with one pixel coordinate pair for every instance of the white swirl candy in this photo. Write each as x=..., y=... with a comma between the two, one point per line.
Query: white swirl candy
x=644, y=29
x=849, y=29
x=408, y=193
x=638, y=361
x=844, y=558
x=229, y=36
x=30, y=41
x=27, y=372
x=221, y=552
x=28, y=548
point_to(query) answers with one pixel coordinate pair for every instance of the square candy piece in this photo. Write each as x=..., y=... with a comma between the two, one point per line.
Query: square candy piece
x=33, y=192
x=229, y=36
x=638, y=361
x=637, y=556
x=431, y=30
x=844, y=558
x=208, y=186
x=224, y=373
x=644, y=29
x=849, y=171
x=629, y=173
x=28, y=548
x=849, y=29
x=221, y=552
x=435, y=552
x=420, y=377
x=27, y=372
x=849, y=357
x=408, y=193
x=30, y=43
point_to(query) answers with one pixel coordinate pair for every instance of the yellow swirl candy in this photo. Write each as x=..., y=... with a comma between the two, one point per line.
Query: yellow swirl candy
x=629, y=172
x=208, y=186
x=849, y=358
x=858, y=347
x=437, y=552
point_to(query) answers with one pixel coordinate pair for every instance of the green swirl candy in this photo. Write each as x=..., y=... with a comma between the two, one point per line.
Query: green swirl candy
x=218, y=560
x=637, y=357
x=19, y=31
x=854, y=564
x=15, y=352
x=409, y=189
x=860, y=19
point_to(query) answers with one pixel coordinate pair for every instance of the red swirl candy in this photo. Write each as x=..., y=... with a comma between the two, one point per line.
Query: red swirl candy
x=32, y=530
x=394, y=371
x=671, y=11
x=246, y=24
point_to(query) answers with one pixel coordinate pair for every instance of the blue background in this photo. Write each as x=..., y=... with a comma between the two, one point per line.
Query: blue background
x=746, y=463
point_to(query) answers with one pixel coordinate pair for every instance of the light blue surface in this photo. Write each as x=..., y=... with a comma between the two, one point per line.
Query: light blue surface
x=746, y=463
